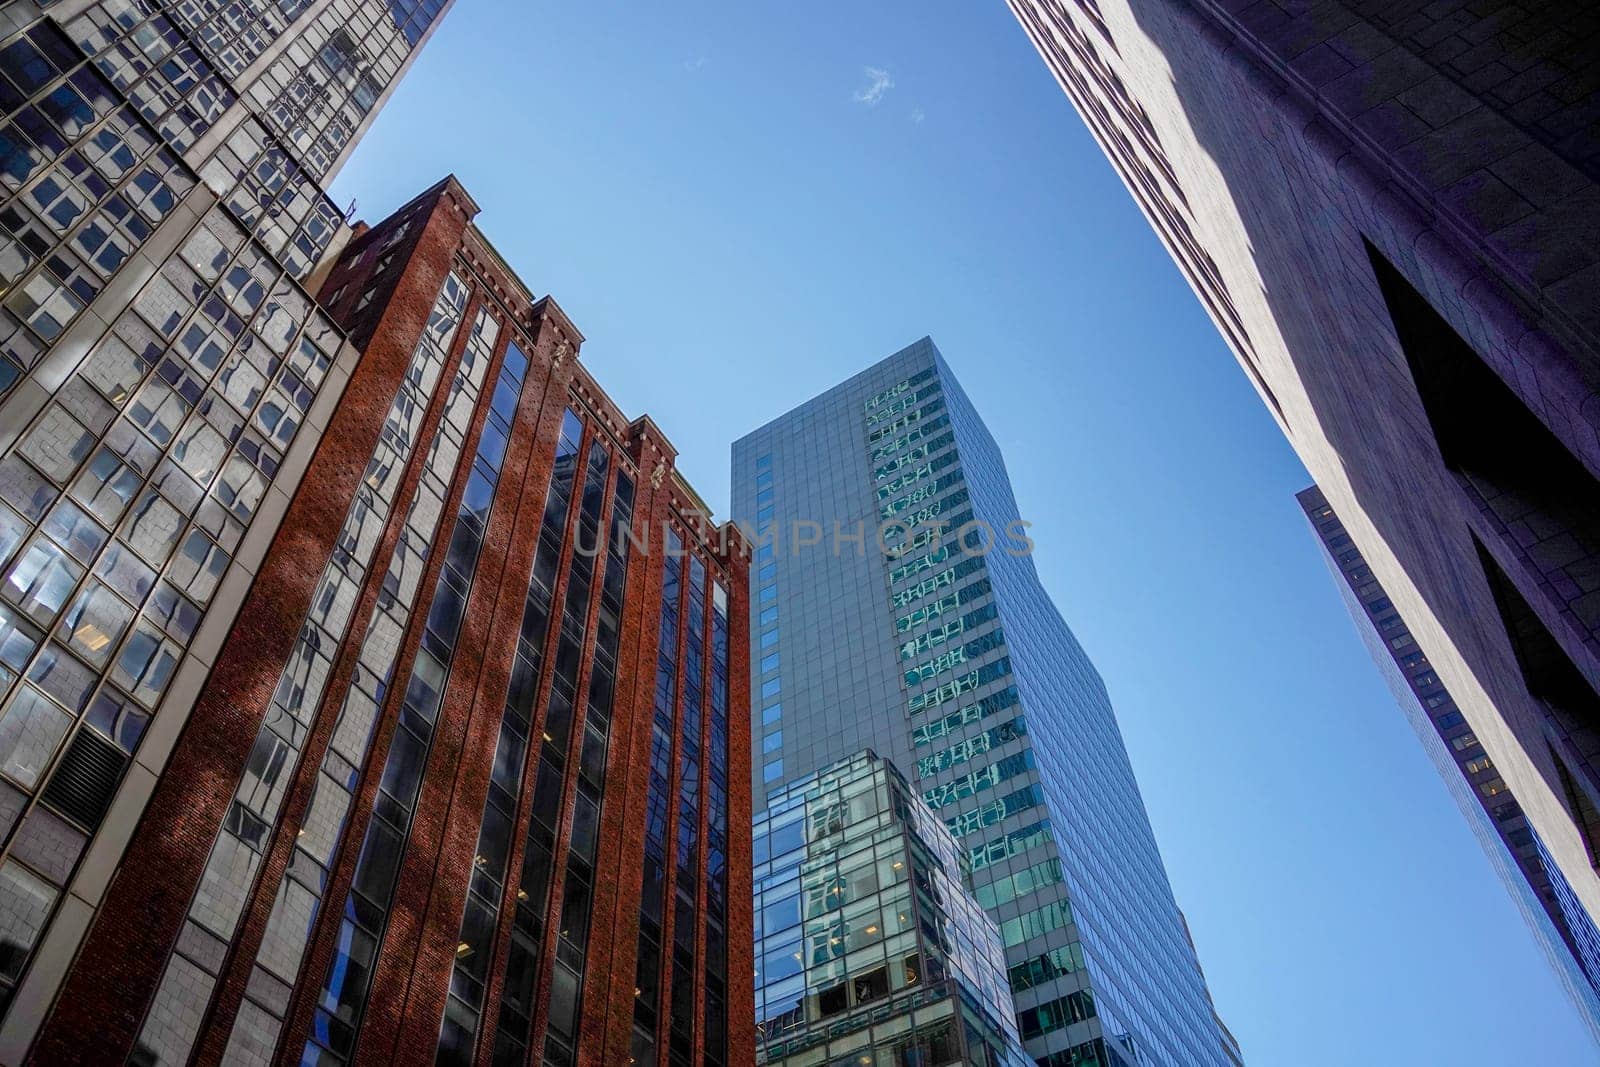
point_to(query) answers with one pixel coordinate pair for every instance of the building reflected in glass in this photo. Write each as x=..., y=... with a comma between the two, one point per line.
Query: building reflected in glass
x=870, y=947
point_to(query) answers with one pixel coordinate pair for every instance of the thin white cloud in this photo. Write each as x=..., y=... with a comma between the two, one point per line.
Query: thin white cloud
x=694, y=64
x=917, y=115
x=878, y=83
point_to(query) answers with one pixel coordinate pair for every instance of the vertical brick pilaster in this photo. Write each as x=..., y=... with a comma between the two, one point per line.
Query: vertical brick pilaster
x=735, y=557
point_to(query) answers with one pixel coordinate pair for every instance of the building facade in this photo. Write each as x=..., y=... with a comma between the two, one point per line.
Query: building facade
x=488, y=617
x=1565, y=934
x=1389, y=210
x=165, y=377
x=870, y=947
x=335, y=631
x=894, y=608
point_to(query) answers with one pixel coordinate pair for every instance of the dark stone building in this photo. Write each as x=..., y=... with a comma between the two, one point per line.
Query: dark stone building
x=1392, y=212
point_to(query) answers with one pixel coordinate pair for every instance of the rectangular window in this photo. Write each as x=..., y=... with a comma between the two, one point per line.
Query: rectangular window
x=769, y=688
x=769, y=663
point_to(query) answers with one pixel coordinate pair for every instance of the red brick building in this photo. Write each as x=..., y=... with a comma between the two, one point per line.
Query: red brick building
x=469, y=780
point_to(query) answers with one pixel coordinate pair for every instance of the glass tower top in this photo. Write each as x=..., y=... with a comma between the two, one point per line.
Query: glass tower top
x=895, y=607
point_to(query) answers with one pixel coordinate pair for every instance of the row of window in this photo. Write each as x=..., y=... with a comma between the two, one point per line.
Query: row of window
x=927, y=535
x=956, y=687
x=923, y=432
x=1020, y=883
x=765, y=583
x=929, y=732
x=86, y=183
x=897, y=389
x=932, y=639
x=337, y=1019
x=916, y=455
x=891, y=406
x=975, y=745
x=357, y=48
x=918, y=418
x=236, y=853
x=1046, y=967
x=1036, y=923
x=909, y=478
x=969, y=785
x=955, y=658
x=995, y=811
x=919, y=494
x=475, y=947
x=658, y=812
x=945, y=579
x=152, y=61
x=922, y=563
x=689, y=744
x=1055, y=1015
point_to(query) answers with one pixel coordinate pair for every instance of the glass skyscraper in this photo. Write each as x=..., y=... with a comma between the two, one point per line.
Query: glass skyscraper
x=1560, y=925
x=894, y=608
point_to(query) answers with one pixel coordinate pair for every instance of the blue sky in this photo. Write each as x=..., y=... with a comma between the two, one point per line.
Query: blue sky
x=742, y=204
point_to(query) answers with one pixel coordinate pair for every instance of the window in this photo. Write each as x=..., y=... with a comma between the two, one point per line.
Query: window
x=772, y=772
x=769, y=639
x=769, y=592
x=772, y=742
x=770, y=687
x=770, y=715
x=769, y=663
x=1480, y=763
x=769, y=616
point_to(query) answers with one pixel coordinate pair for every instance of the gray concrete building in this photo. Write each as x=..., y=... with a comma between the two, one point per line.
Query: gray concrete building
x=895, y=607
x=1391, y=210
